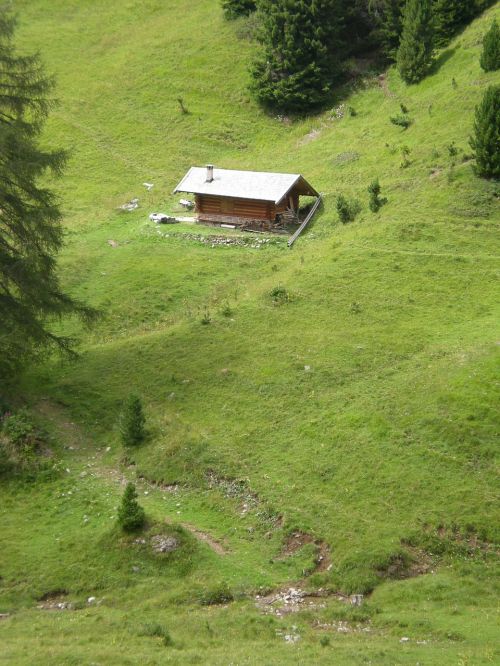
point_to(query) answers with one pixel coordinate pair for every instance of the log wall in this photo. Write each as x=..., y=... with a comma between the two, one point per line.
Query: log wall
x=252, y=209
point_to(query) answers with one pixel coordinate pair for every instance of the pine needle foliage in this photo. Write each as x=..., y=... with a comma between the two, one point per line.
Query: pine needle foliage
x=132, y=422
x=301, y=53
x=486, y=139
x=490, y=57
x=415, y=51
x=131, y=516
x=234, y=8
x=30, y=219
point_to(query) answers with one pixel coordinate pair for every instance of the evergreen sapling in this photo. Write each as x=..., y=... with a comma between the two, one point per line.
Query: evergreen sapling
x=132, y=422
x=415, y=51
x=486, y=139
x=131, y=516
x=490, y=57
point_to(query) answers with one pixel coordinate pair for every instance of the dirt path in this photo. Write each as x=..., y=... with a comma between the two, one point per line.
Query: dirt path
x=72, y=436
x=382, y=81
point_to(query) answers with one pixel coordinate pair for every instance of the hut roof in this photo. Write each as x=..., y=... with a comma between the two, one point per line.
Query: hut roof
x=244, y=184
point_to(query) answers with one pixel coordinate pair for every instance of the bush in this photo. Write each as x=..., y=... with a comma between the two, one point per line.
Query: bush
x=132, y=422
x=490, y=57
x=234, y=8
x=347, y=210
x=376, y=202
x=220, y=594
x=486, y=139
x=156, y=630
x=401, y=120
x=131, y=516
x=279, y=295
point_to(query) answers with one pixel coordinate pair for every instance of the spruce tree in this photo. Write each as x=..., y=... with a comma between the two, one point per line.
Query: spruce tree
x=490, y=57
x=301, y=53
x=30, y=218
x=132, y=422
x=389, y=19
x=234, y=8
x=415, y=51
x=486, y=139
x=131, y=516
x=449, y=17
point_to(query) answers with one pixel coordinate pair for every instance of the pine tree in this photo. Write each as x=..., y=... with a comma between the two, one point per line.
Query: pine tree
x=234, y=8
x=417, y=41
x=131, y=516
x=490, y=57
x=449, y=17
x=132, y=422
x=486, y=139
x=301, y=53
x=30, y=219
x=389, y=18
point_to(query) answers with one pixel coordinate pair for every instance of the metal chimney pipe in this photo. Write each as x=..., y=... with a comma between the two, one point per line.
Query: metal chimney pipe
x=210, y=173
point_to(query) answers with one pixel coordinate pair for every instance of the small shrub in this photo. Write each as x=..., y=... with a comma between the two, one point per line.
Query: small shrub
x=132, y=422
x=376, y=202
x=405, y=153
x=452, y=149
x=404, y=109
x=220, y=594
x=401, y=120
x=234, y=8
x=324, y=641
x=131, y=516
x=347, y=210
x=279, y=295
x=19, y=428
x=352, y=111
x=206, y=319
x=490, y=57
x=226, y=310
x=155, y=630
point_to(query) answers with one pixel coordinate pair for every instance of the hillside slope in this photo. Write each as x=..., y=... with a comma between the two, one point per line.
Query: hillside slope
x=360, y=413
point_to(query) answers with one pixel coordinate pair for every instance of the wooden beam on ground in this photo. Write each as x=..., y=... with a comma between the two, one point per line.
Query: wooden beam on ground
x=304, y=224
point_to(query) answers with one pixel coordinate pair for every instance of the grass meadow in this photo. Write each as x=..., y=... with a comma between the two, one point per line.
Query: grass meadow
x=361, y=409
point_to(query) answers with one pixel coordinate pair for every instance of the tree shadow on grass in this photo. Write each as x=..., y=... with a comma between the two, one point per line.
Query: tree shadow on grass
x=441, y=60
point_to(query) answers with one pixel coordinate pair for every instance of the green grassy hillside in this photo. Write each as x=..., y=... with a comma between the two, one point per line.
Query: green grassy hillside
x=362, y=411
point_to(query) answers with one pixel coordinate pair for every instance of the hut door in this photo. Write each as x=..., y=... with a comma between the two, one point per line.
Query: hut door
x=227, y=207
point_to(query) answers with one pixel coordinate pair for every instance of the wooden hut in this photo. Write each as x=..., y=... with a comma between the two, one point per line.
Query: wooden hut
x=245, y=199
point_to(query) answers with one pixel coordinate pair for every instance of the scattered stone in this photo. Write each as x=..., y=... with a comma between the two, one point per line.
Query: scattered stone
x=218, y=241
x=136, y=569
x=356, y=599
x=163, y=544
x=113, y=243
x=4, y=616
x=90, y=600
x=140, y=541
x=133, y=204
x=307, y=368
x=404, y=639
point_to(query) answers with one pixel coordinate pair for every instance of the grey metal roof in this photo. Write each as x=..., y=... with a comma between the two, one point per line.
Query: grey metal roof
x=242, y=184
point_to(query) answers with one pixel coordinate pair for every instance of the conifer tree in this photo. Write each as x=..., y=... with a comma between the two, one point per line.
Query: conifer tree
x=490, y=57
x=389, y=18
x=131, y=516
x=449, y=16
x=301, y=53
x=234, y=8
x=30, y=219
x=132, y=422
x=486, y=139
x=415, y=51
